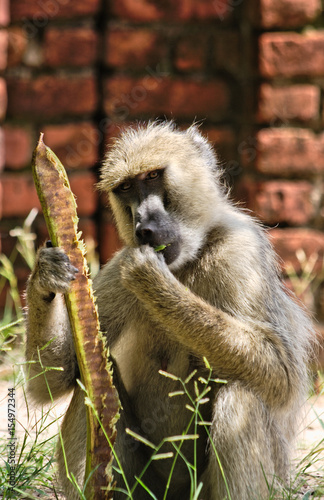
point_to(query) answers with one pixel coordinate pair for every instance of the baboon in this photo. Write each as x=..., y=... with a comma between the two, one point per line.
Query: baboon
x=212, y=291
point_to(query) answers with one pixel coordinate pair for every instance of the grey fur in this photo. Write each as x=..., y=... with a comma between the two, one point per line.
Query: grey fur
x=221, y=298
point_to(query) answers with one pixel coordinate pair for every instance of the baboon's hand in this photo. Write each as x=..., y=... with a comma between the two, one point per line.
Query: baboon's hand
x=54, y=270
x=142, y=264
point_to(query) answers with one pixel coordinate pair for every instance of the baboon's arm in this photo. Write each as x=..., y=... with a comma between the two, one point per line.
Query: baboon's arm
x=49, y=336
x=235, y=350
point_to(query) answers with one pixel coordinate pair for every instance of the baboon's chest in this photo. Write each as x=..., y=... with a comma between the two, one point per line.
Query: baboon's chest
x=141, y=353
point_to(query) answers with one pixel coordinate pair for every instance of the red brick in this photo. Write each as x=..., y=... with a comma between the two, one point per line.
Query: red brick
x=279, y=201
x=109, y=241
x=2, y=149
x=83, y=185
x=76, y=145
x=224, y=141
x=132, y=47
x=19, y=194
x=8, y=241
x=284, y=13
x=283, y=151
x=140, y=10
x=191, y=53
x=293, y=102
x=206, y=10
x=3, y=49
x=228, y=51
x=89, y=232
x=153, y=95
x=3, y=99
x=113, y=130
x=70, y=47
x=182, y=10
x=19, y=144
x=288, y=241
x=17, y=45
x=51, y=96
x=4, y=12
x=291, y=54
x=1, y=206
x=42, y=11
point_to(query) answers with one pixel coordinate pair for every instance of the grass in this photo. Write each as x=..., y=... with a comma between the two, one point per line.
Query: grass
x=30, y=457
x=35, y=437
x=35, y=467
x=28, y=468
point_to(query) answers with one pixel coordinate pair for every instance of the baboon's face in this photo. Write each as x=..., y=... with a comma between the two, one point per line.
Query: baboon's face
x=163, y=189
x=145, y=200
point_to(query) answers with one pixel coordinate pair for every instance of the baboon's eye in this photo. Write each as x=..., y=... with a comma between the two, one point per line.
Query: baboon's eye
x=125, y=186
x=153, y=175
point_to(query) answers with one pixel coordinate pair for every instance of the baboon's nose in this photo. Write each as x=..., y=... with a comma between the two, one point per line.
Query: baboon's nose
x=146, y=233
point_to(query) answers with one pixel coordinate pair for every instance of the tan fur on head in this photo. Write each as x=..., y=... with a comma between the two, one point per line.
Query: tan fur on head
x=190, y=163
x=149, y=146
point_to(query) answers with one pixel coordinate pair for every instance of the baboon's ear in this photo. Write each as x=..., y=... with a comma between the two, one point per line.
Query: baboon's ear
x=195, y=135
x=204, y=148
x=198, y=139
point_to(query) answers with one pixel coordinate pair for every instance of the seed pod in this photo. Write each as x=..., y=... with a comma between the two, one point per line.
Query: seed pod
x=59, y=209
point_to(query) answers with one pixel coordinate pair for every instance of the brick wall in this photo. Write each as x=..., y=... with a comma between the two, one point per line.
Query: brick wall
x=253, y=70
x=285, y=184
x=284, y=181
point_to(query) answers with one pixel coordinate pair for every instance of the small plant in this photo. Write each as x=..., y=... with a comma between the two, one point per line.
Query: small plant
x=305, y=282
x=27, y=451
x=32, y=445
x=202, y=386
x=11, y=326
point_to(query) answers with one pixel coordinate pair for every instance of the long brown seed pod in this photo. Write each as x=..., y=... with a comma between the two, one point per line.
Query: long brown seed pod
x=60, y=212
